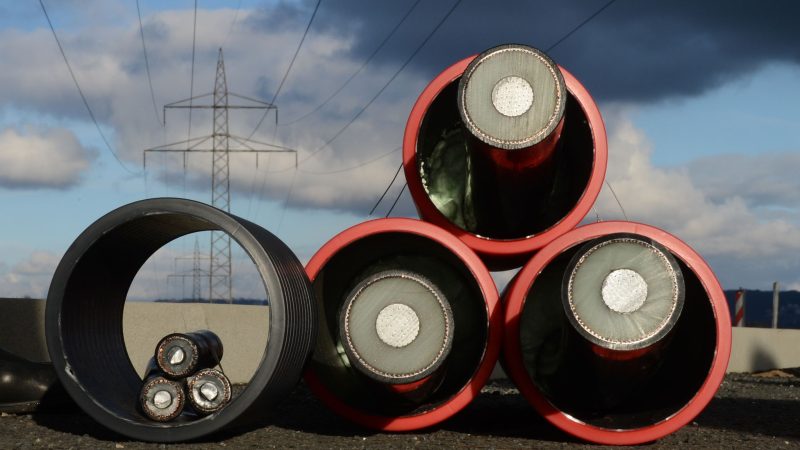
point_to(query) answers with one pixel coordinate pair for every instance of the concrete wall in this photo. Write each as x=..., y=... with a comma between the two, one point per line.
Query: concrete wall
x=759, y=349
x=243, y=330
x=22, y=328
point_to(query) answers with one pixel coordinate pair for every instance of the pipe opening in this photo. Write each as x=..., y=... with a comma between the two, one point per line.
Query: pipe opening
x=615, y=389
x=171, y=295
x=449, y=343
x=87, y=298
x=495, y=193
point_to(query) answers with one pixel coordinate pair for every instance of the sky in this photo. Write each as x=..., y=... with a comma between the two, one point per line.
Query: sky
x=699, y=100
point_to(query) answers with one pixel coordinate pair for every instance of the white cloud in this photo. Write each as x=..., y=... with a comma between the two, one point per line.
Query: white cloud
x=170, y=272
x=42, y=158
x=719, y=220
x=108, y=62
x=765, y=181
x=30, y=277
x=167, y=274
x=719, y=212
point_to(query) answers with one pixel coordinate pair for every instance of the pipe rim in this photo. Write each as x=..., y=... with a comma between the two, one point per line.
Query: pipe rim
x=494, y=335
x=515, y=301
x=278, y=333
x=503, y=250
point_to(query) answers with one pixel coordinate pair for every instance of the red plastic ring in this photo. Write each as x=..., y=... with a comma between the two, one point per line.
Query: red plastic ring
x=484, y=279
x=503, y=252
x=515, y=300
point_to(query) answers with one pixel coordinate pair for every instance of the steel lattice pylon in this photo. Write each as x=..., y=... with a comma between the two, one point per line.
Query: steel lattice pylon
x=220, y=273
x=220, y=280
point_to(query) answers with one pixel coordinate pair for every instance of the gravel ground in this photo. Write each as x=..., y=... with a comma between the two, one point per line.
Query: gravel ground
x=754, y=411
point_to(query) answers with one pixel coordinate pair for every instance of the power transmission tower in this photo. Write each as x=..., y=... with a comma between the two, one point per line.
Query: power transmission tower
x=197, y=273
x=220, y=274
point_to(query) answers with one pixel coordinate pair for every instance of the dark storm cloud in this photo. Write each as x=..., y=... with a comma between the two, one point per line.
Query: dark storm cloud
x=633, y=51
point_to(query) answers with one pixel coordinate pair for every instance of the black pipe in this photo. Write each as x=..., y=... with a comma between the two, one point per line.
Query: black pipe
x=87, y=296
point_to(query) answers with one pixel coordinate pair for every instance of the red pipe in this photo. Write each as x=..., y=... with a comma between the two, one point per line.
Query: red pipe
x=515, y=299
x=504, y=253
x=393, y=231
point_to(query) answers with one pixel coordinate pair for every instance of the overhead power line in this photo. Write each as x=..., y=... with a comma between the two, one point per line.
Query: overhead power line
x=386, y=85
x=288, y=69
x=347, y=169
x=386, y=190
x=275, y=97
x=579, y=26
x=396, y=199
x=233, y=24
x=147, y=63
x=80, y=91
x=363, y=65
x=405, y=64
x=551, y=47
x=191, y=75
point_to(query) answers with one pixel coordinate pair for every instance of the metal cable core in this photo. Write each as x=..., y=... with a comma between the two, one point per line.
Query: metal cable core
x=396, y=327
x=512, y=96
x=623, y=292
x=177, y=355
x=209, y=390
x=161, y=399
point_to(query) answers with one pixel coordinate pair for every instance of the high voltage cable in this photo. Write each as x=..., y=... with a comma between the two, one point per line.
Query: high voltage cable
x=191, y=76
x=619, y=203
x=386, y=190
x=147, y=64
x=286, y=201
x=579, y=26
x=339, y=170
x=554, y=45
x=366, y=62
x=562, y=39
x=310, y=172
x=400, y=194
x=275, y=96
x=386, y=85
x=233, y=23
x=416, y=51
x=347, y=169
x=288, y=69
x=80, y=91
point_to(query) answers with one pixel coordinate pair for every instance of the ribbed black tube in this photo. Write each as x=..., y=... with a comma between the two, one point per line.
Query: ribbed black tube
x=87, y=296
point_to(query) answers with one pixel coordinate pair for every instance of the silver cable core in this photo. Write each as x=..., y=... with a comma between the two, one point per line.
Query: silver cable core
x=176, y=355
x=624, y=291
x=162, y=399
x=397, y=325
x=209, y=391
x=512, y=96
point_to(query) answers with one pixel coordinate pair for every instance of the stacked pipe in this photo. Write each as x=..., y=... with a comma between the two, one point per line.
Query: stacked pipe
x=410, y=324
x=615, y=332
